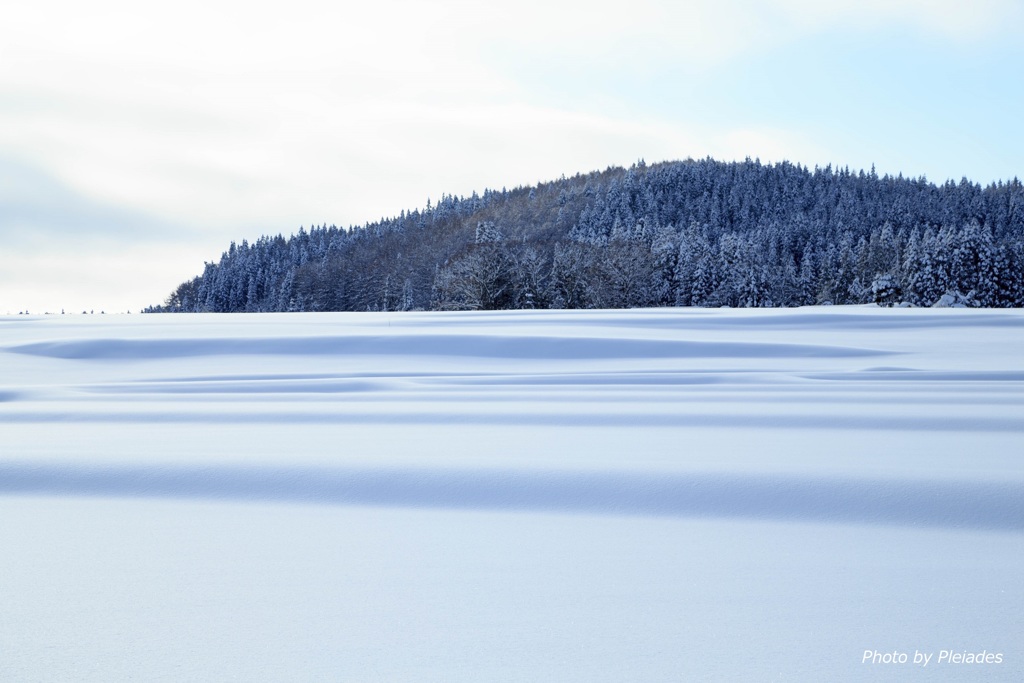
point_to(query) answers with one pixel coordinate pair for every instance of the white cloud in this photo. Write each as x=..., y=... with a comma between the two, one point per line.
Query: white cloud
x=221, y=113
x=246, y=118
x=111, y=276
x=952, y=19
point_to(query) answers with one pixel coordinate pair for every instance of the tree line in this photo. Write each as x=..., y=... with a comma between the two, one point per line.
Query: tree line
x=686, y=233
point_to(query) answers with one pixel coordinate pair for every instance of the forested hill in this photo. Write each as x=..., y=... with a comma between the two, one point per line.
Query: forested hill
x=689, y=233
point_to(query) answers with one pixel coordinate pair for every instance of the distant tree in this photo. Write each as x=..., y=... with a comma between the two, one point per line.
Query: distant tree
x=570, y=282
x=691, y=233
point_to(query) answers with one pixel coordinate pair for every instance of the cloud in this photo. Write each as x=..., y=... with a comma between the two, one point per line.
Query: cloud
x=64, y=250
x=233, y=119
x=37, y=208
x=961, y=22
x=110, y=276
x=254, y=116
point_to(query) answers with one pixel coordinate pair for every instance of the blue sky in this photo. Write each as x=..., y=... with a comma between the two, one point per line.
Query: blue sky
x=136, y=142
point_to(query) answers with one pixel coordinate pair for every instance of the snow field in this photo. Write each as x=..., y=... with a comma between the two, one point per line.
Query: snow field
x=610, y=495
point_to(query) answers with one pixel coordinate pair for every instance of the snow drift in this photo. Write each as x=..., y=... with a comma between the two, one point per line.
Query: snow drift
x=651, y=494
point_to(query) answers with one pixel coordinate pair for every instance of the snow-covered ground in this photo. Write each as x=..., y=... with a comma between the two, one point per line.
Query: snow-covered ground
x=661, y=495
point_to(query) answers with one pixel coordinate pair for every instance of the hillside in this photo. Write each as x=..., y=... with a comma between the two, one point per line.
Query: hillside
x=685, y=233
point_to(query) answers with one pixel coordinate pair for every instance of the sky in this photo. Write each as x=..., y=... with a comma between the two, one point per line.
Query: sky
x=138, y=141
